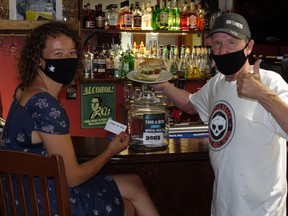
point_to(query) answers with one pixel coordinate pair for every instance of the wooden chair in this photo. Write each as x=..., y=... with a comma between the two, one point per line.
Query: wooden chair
x=16, y=165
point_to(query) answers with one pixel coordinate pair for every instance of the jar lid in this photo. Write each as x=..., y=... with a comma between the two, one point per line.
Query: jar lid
x=147, y=98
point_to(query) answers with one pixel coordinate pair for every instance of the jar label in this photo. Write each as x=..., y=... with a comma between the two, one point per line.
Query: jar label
x=154, y=127
x=152, y=138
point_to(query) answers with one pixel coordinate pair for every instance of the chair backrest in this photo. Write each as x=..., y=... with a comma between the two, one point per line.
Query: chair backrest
x=32, y=170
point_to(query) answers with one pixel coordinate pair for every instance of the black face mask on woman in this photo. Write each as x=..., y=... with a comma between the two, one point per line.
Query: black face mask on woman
x=61, y=70
x=230, y=63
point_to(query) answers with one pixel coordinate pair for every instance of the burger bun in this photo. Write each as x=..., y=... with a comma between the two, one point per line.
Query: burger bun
x=151, y=62
x=150, y=70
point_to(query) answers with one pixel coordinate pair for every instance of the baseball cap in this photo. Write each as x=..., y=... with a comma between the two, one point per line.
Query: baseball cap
x=232, y=24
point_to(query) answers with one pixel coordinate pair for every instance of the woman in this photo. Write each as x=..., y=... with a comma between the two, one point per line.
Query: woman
x=37, y=123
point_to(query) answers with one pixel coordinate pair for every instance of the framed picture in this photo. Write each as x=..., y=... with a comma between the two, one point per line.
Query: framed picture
x=35, y=9
x=71, y=92
x=97, y=104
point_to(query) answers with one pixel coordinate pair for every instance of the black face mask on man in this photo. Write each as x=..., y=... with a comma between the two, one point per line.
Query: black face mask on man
x=230, y=63
x=61, y=70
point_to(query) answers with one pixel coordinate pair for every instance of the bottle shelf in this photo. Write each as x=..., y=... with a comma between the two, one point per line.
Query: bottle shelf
x=109, y=31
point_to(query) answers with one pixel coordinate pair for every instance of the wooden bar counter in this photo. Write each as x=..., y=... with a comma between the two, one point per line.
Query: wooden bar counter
x=179, y=178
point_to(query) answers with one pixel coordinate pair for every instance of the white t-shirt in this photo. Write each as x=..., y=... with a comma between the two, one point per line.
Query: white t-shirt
x=247, y=149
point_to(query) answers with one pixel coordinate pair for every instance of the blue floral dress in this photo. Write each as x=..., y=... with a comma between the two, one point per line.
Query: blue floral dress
x=98, y=196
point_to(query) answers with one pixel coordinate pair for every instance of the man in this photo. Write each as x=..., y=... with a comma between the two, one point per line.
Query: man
x=245, y=108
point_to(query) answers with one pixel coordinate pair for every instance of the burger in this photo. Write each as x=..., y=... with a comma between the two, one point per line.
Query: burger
x=149, y=70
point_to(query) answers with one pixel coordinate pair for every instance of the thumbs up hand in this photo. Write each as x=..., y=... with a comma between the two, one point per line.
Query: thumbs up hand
x=249, y=85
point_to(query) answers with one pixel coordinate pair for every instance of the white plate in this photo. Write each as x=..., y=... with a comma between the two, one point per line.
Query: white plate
x=165, y=77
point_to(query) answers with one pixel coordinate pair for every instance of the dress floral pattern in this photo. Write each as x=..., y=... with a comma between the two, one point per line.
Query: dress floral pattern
x=98, y=196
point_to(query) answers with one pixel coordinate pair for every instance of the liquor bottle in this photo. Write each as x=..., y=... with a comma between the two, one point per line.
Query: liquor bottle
x=171, y=17
x=87, y=62
x=177, y=16
x=184, y=64
x=152, y=53
x=156, y=18
x=195, y=62
x=203, y=61
x=209, y=64
x=127, y=62
x=207, y=15
x=101, y=64
x=165, y=58
x=112, y=16
x=132, y=8
x=147, y=17
x=174, y=16
x=117, y=62
x=131, y=59
x=141, y=54
x=142, y=49
x=213, y=17
x=193, y=17
x=163, y=17
x=200, y=13
x=160, y=53
x=136, y=56
x=134, y=50
x=137, y=17
x=125, y=65
x=95, y=61
x=187, y=52
x=143, y=8
x=173, y=60
x=127, y=17
x=110, y=63
x=84, y=12
x=184, y=18
x=99, y=17
x=121, y=15
x=89, y=20
x=94, y=13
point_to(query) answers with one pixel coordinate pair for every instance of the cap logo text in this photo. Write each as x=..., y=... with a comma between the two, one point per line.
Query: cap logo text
x=237, y=24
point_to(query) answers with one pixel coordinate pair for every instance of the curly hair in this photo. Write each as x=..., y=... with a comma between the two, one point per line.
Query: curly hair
x=35, y=44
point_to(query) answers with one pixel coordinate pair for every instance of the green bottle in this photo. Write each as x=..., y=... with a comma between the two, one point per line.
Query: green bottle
x=156, y=18
x=131, y=60
x=175, y=16
x=173, y=60
x=127, y=62
x=171, y=17
x=163, y=17
x=183, y=62
x=125, y=65
x=117, y=63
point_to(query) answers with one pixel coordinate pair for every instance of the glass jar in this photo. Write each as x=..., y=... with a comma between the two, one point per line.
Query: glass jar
x=147, y=121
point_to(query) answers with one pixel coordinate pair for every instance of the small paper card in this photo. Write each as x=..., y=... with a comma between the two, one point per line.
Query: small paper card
x=115, y=127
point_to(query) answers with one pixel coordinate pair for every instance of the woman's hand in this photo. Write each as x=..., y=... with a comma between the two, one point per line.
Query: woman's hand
x=119, y=143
